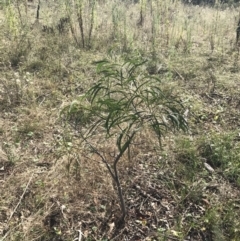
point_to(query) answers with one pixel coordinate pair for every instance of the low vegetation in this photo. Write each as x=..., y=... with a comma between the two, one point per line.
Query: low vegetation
x=119, y=120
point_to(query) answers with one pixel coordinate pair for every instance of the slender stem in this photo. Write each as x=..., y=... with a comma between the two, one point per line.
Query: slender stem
x=101, y=156
x=92, y=22
x=117, y=180
x=80, y=22
x=19, y=12
x=114, y=173
x=120, y=194
x=38, y=9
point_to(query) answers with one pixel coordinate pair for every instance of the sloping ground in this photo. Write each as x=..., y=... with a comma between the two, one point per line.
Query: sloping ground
x=50, y=187
x=53, y=189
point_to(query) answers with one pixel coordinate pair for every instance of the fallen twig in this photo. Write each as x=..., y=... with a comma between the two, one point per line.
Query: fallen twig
x=30, y=179
x=80, y=234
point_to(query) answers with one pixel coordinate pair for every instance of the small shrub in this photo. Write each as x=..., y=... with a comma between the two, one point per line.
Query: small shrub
x=122, y=103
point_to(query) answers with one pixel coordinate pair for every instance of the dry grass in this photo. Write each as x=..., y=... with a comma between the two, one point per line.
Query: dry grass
x=51, y=186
